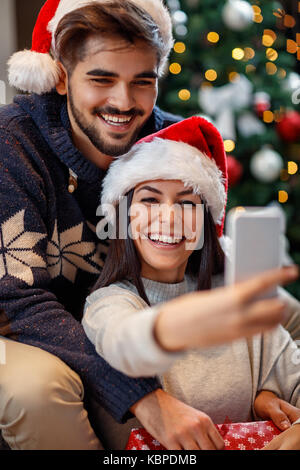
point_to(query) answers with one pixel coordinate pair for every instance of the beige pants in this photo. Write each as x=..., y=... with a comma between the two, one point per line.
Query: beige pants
x=41, y=405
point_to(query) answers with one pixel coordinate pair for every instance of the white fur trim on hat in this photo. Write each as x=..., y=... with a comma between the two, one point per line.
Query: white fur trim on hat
x=32, y=71
x=155, y=8
x=165, y=159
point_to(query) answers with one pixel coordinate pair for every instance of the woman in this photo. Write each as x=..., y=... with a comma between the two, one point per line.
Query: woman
x=147, y=315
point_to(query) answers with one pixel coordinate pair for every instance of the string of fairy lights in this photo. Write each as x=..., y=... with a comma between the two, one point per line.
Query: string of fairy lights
x=246, y=54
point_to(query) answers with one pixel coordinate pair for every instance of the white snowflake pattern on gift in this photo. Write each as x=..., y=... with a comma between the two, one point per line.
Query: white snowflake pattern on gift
x=155, y=443
x=145, y=447
x=139, y=437
x=226, y=443
x=242, y=447
x=251, y=440
x=245, y=430
x=260, y=432
x=17, y=255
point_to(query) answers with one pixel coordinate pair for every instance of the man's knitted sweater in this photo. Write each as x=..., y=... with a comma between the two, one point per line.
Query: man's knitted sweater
x=50, y=255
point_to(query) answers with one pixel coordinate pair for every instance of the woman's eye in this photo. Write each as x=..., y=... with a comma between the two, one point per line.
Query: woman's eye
x=149, y=199
x=190, y=203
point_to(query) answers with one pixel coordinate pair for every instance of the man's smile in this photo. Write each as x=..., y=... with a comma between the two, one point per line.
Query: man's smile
x=117, y=122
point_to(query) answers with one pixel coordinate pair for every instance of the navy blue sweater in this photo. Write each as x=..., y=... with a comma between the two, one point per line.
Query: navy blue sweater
x=49, y=252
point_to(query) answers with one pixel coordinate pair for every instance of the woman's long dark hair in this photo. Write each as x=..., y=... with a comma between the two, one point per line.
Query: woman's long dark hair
x=122, y=262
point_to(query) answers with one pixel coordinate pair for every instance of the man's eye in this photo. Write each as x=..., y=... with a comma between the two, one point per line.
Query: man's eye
x=103, y=81
x=143, y=82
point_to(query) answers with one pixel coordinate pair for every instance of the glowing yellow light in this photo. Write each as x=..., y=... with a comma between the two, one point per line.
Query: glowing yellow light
x=258, y=18
x=238, y=53
x=291, y=46
x=249, y=53
x=250, y=68
x=271, y=54
x=278, y=115
x=269, y=37
x=184, y=95
x=229, y=145
x=211, y=75
x=256, y=9
x=206, y=85
x=234, y=76
x=175, y=68
x=213, y=37
x=240, y=209
x=179, y=47
x=282, y=196
x=284, y=176
x=271, y=68
x=292, y=168
x=289, y=21
x=281, y=73
x=268, y=116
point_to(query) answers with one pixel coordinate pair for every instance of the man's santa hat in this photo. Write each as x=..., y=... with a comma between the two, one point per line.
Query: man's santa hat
x=191, y=151
x=35, y=70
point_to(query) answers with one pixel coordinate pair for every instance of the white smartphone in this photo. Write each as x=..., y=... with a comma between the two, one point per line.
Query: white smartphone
x=256, y=244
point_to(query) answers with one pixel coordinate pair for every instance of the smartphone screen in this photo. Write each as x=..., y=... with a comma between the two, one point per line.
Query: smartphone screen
x=256, y=244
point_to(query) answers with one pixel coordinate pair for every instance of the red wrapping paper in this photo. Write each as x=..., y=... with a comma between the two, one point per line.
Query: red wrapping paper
x=237, y=436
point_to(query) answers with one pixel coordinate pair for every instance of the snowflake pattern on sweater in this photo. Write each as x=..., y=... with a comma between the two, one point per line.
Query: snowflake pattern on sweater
x=17, y=256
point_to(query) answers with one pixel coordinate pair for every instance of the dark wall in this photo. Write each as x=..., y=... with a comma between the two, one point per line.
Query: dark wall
x=27, y=12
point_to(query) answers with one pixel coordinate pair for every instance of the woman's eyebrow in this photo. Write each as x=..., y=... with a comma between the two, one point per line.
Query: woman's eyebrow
x=154, y=190
x=149, y=188
x=184, y=193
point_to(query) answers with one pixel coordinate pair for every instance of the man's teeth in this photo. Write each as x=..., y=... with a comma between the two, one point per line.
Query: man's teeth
x=115, y=119
x=165, y=239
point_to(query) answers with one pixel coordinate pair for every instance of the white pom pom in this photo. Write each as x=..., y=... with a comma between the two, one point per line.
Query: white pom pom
x=33, y=72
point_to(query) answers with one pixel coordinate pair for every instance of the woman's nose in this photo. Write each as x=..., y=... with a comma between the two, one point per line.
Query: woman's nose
x=167, y=213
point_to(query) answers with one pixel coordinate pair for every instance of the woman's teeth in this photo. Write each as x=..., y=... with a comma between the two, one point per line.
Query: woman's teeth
x=165, y=239
x=116, y=120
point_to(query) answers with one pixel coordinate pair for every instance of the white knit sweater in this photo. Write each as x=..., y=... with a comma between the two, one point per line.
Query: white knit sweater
x=221, y=381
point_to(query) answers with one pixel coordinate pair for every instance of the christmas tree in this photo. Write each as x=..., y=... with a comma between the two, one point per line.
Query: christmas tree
x=234, y=62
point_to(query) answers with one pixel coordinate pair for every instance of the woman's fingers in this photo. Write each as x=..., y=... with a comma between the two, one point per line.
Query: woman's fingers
x=248, y=290
x=216, y=438
x=263, y=313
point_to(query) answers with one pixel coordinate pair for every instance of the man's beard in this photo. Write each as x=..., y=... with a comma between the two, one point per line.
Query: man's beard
x=93, y=134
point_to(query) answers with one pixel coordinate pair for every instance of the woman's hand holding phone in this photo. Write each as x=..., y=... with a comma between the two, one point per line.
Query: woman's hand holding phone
x=208, y=318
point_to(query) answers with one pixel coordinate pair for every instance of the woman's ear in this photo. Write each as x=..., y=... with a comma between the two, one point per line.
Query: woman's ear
x=62, y=85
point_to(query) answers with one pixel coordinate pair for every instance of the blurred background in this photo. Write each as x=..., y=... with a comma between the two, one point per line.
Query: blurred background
x=236, y=63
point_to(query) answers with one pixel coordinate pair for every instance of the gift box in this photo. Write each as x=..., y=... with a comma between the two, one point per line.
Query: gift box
x=237, y=436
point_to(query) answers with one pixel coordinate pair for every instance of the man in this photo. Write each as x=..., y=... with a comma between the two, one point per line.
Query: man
x=88, y=107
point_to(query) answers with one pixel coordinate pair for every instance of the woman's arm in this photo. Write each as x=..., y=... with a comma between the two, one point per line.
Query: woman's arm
x=144, y=341
x=223, y=314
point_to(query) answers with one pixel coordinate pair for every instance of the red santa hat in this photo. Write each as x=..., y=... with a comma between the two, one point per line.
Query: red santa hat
x=35, y=70
x=191, y=151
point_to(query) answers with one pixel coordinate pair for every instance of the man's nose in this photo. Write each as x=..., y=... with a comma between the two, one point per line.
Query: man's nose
x=122, y=97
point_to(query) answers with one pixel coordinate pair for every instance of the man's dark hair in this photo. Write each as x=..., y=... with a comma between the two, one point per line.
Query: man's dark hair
x=115, y=18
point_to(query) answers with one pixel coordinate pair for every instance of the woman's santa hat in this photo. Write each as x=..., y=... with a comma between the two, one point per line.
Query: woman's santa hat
x=35, y=70
x=191, y=151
